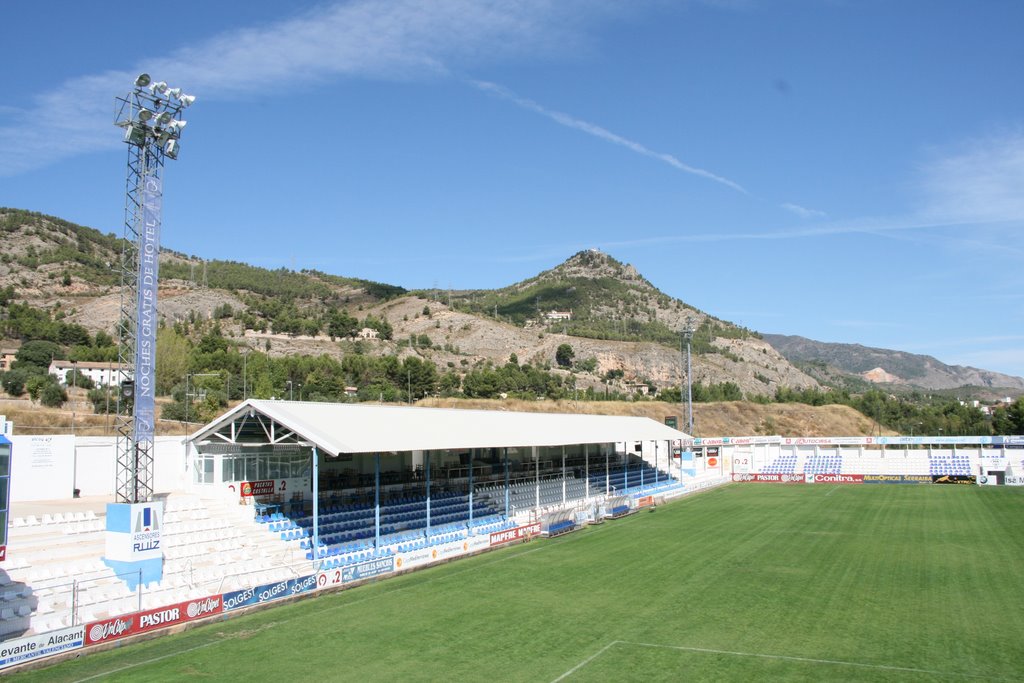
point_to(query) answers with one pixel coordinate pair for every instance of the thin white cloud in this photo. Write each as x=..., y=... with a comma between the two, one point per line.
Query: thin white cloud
x=851, y=228
x=602, y=133
x=980, y=181
x=393, y=39
x=802, y=211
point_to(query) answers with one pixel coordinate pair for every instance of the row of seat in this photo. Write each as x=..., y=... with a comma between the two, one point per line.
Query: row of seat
x=561, y=526
x=874, y=462
x=56, y=518
x=437, y=505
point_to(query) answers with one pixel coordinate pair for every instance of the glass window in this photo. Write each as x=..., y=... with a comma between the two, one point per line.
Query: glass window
x=251, y=470
x=5, y=461
x=208, y=470
x=227, y=468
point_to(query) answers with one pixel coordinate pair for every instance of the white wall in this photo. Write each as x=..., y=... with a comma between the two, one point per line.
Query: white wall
x=42, y=467
x=51, y=467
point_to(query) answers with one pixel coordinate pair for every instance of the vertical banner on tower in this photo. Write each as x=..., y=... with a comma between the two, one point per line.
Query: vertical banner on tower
x=145, y=349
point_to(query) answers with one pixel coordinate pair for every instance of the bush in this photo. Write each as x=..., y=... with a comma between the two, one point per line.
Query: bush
x=173, y=411
x=38, y=354
x=101, y=398
x=13, y=382
x=52, y=395
x=76, y=378
x=564, y=355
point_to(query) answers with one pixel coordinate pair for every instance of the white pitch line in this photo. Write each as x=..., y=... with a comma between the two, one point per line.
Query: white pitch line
x=809, y=660
x=586, y=661
x=148, y=661
x=831, y=491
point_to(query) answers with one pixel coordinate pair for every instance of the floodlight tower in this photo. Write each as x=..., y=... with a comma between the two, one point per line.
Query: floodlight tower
x=688, y=330
x=151, y=118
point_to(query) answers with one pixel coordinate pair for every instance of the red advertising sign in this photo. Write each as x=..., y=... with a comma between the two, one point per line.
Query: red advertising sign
x=257, y=488
x=3, y=553
x=520, y=532
x=645, y=501
x=142, y=622
x=835, y=478
x=769, y=478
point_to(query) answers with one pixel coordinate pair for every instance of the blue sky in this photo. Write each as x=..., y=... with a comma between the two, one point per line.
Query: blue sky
x=846, y=171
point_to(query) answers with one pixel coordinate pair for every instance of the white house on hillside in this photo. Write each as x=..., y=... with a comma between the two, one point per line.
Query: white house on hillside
x=105, y=374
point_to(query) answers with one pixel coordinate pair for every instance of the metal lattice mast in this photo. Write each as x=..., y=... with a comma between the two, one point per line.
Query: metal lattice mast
x=149, y=115
x=687, y=336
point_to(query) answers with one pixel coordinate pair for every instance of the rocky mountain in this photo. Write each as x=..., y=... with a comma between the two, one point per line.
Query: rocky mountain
x=888, y=367
x=613, y=316
x=624, y=333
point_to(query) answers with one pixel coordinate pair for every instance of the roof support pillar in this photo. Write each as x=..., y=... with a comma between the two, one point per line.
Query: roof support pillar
x=607, y=475
x=376, y=502
x=586, y=471
x=427, y=469
x=506, y=483
x=316, y=508
x=470, y=525
x=563, y=475
x=642, y=463
x=536, y=475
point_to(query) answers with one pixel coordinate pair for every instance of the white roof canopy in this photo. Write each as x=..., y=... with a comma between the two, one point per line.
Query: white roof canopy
x=337, y=428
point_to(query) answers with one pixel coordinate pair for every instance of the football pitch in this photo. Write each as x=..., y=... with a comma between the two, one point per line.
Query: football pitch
x=746, y=582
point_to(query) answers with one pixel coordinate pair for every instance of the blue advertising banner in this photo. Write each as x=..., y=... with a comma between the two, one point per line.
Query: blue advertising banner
x=303, y=584
x=255, y=596
x=267, y=592
x=367, y=569
x=145, y=311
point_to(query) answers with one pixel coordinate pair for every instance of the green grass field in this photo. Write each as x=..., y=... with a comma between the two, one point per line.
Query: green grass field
x=746, y=582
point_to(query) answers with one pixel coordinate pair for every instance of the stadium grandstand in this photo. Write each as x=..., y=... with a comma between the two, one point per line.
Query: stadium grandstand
x=276, y=499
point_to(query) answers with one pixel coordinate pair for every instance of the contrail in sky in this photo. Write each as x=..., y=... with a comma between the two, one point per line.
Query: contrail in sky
x=601, y=133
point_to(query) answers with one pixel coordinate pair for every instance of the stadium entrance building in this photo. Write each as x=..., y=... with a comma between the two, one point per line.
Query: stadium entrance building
x=287, y=456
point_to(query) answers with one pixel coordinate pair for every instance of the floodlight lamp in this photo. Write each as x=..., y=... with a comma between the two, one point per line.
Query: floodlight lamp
x=187, y=100
x=171, y=149
x=164, y=118
x=142, y=80
x=176, y=125
x=145, y=115
x=175, y=93
x=159, y=87
x=135, y=135
x=162, y=136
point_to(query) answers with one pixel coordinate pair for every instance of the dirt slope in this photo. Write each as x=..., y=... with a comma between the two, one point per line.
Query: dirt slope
x=734, y=418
